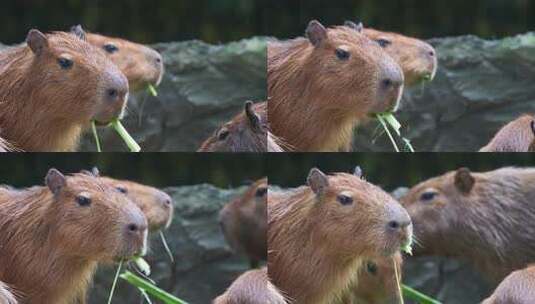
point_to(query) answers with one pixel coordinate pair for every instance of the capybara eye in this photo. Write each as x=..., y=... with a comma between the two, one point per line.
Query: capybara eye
x=223, y=134
x=428, y=196
x=260, y=192
x=65, y=63
x=342, y=54
x=371, y=268
x=83, y=201
x=345, y=200
x=383, y=42
x=110, y=48
x=122, y=190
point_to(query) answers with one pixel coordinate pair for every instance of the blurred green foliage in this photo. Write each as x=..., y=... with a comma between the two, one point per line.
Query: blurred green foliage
x=227, y=20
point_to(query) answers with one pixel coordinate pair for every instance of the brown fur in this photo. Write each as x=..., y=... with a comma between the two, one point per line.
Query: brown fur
x=316, y=245
x=253, y=287
x=316, y=99
x=6, y=295
x=44, y=107
x=50, y=245
x=140, y=64
x=244, y=223
x=517, y=288
x=516, y=136
x=484, y=218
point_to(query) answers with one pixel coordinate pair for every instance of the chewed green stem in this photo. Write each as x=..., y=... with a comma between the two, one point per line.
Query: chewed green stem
x=398, y=281
x=152, y=90
x=142, y=265
x=112, y=291
x=417, y=296
x=381, y=120
x=95, y=135
x=130, y=142
x=166, y=246
x=151, y=289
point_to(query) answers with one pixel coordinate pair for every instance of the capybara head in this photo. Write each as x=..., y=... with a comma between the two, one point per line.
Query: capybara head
x=516, y=136
x=93, y=220
x=377, y=281
x=352, y=212
x=417, y=59
x=247, y=132
x=141, y=65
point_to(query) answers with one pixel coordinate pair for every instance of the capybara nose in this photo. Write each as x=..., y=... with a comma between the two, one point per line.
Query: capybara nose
x=399, y=224
x=117, y=89
x=392, y=83
x=399, y=218
x=166, y=200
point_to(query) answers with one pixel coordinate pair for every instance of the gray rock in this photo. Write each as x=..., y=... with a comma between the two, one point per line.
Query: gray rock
x=204, y=266
x=480, y=86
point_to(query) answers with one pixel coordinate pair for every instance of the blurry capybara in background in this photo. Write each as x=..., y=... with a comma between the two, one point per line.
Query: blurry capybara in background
x=416, y=57
x=484, y=218
x=517, y=288
x=54, y=237
x=516, y=136
x=54, y=86
x=142, y=65
x=244, y=223
x=322, y=86
x=253, y=287
x=6, y=296
x=320, y=235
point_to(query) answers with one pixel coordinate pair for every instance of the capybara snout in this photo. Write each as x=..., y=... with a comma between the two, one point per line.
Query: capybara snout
x=114, y=96
x=390, y=87
x=135, y=231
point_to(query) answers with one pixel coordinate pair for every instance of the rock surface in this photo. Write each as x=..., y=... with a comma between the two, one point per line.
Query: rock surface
x=480, y=86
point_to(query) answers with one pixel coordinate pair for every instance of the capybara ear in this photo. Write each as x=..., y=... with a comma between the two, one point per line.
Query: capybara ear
x=317, y=181
x=95, y=172
x=254, y=119
x=533, y=126
x=55, y=181
x=358, y=172
x=316, y=33
x=464, y=181
x=356, y=26
x=37, y=41
x=79, y=32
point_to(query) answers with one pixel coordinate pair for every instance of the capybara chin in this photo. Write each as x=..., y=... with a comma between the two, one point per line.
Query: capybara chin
x=142, y=65
x=319, y=235
x=244, y=223
x=6, y=296
x=483, y=218
x=52, y=87
x=253, y=287
x=517, y=288
x=516, y=136
x=321, y=86
x=53, y=237
x=416, y=58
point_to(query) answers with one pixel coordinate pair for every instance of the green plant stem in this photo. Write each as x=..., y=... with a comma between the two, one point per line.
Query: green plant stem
x=381, y=120
x=166, y=246
x=130, y=142
x=417, y=296
x=152, y=90
x=95, y=134
x=150, y=288
x=112, y=291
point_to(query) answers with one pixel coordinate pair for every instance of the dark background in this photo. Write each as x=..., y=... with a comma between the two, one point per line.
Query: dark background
x=159, y=170
x=227, y=20
x=389, y=170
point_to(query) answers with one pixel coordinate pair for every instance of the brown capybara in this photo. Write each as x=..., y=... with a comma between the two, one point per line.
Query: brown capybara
x=6, y=295
x=483, y=218
x=517, y=288
x=321, y=86
x=247, y=132
x=320, y=235
x=53, y=237
x=52, y=87
x=416, y=58
x=516, y=136
x=253, y=287
x=142, y=65
x=244, y=223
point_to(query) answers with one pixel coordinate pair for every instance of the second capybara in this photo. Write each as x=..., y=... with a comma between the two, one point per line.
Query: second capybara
x=320, y=87
x=52, y=87
x=417, y=58
x=6, y=295
x=516, y=136
x=483, y=218
x=142, y=65
x=253, y=287
x=53, y=237
x=320, y=235
x=244, y=223
x=517, y=288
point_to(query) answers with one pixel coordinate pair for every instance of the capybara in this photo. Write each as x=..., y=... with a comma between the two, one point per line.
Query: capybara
x=142, y=65
x=517, y=288
x=53, y=237
x=416, y=58
x=52, y=87
x=247, y=132
x=484, y=218
x=6, y=296
x=253, y=287
x=321, y=86
x=320, y=235
x=516, y=136
x=244, y=223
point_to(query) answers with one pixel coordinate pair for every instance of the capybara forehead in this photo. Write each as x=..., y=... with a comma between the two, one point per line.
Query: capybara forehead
x=353, y=184
x=61, y=42
x=91, y=184
x=344, y=35
x=103, y=40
